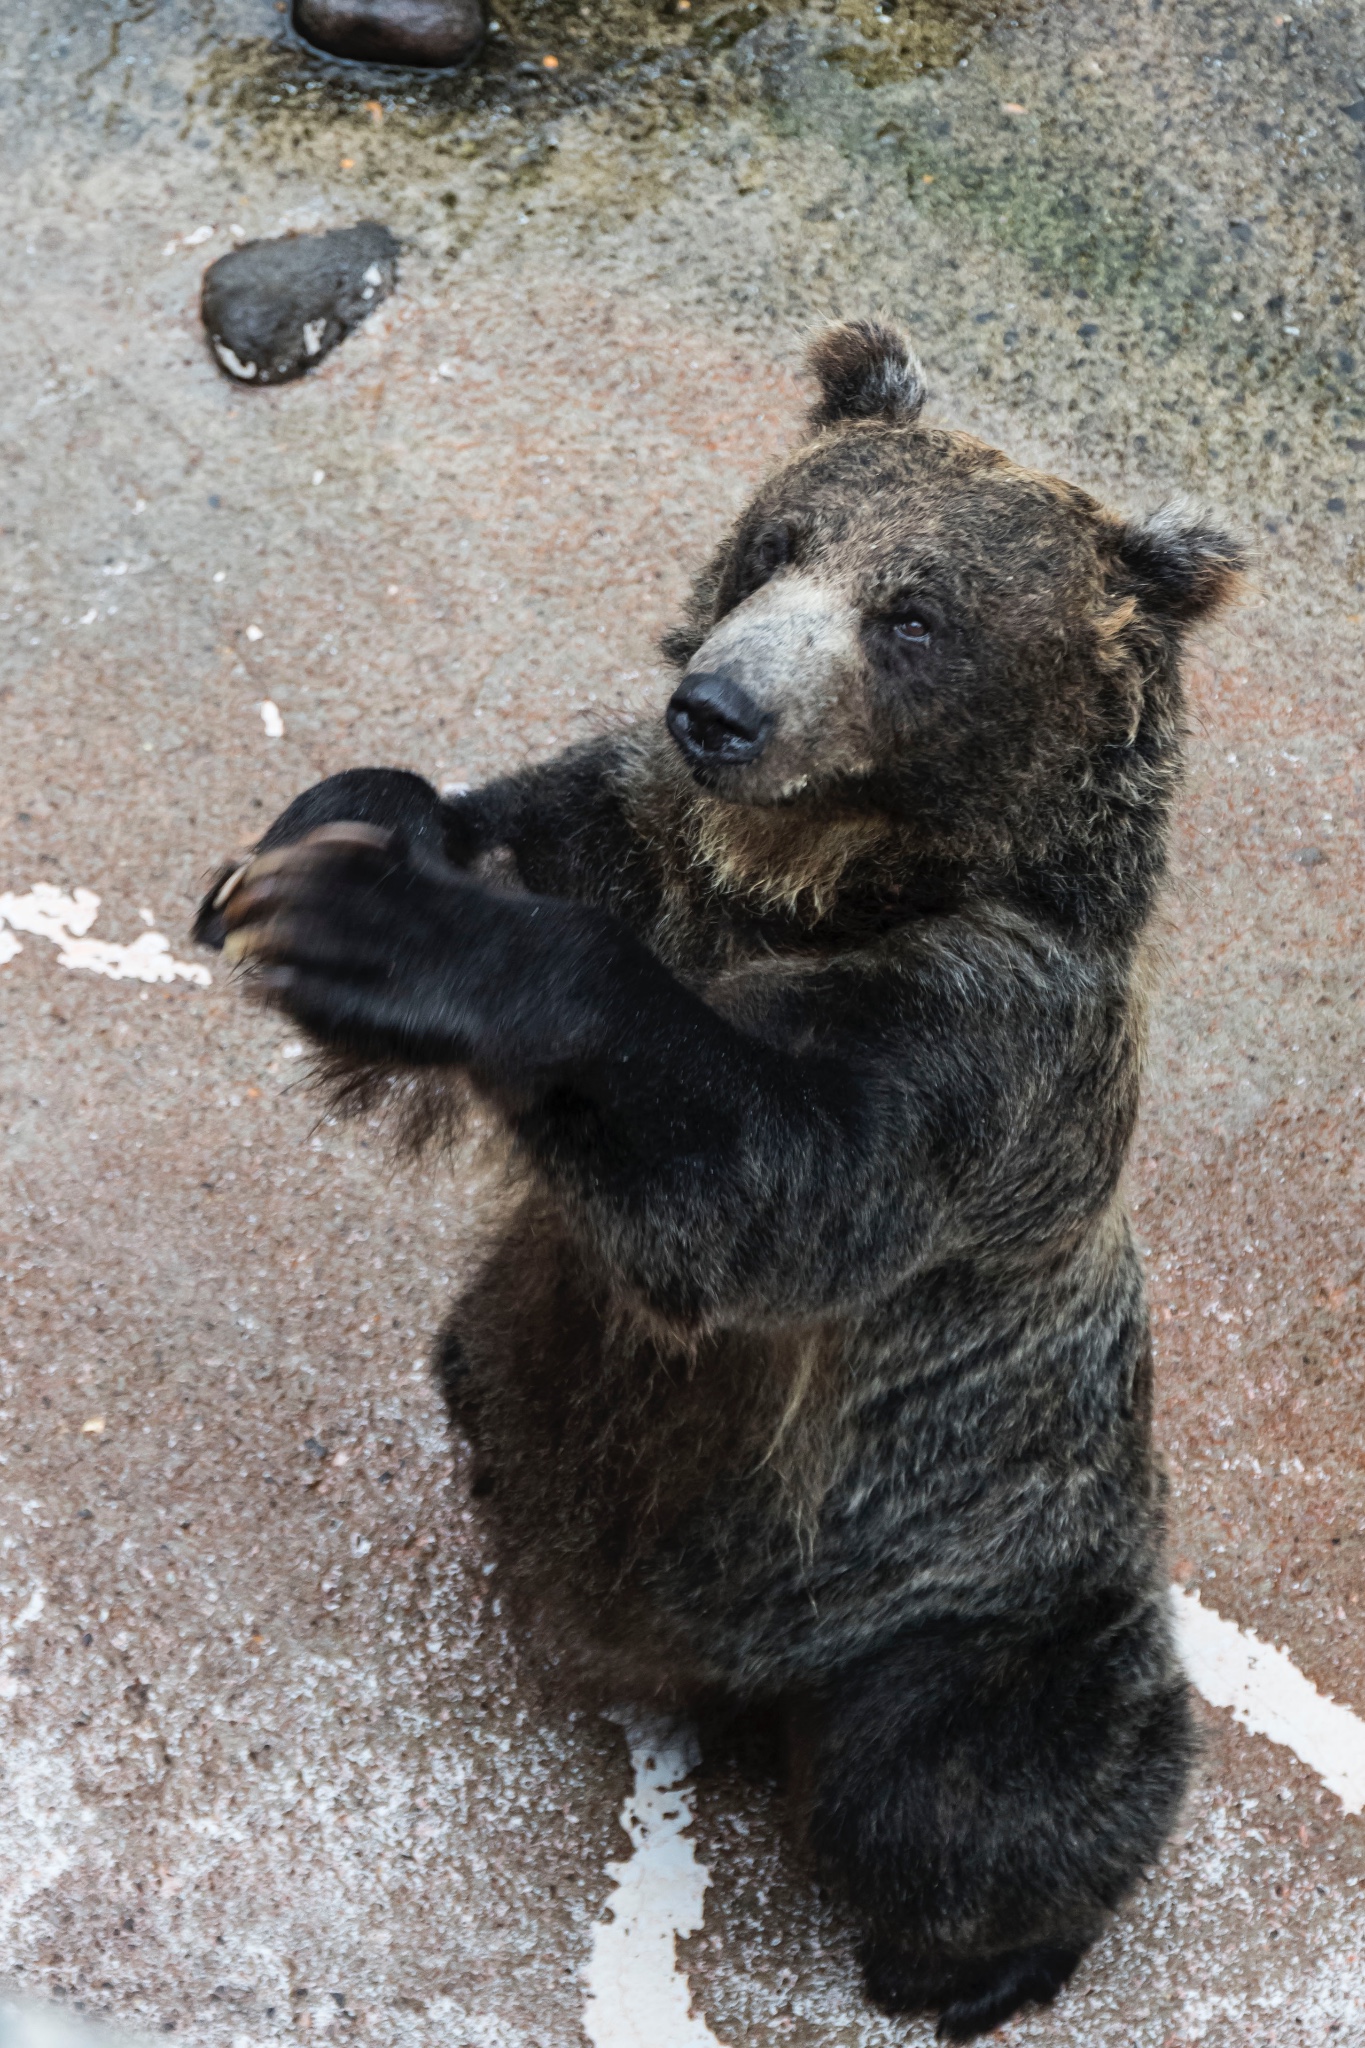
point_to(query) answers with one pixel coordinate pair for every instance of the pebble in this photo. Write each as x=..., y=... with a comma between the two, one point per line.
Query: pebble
x=272, y=310
x=424, y=35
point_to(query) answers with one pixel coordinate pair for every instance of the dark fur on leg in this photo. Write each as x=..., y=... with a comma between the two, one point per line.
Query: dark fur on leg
x=985, y=1801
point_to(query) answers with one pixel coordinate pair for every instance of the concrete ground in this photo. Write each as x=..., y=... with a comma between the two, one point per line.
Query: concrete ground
x=271, y=1767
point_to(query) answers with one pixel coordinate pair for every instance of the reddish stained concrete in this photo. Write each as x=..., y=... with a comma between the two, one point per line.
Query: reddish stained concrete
x=1250, y=1163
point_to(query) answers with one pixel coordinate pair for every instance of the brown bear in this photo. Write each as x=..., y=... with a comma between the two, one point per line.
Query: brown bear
x=812, y=1369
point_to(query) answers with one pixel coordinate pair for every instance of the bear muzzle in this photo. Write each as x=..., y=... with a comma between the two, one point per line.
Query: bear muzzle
x=716, y=722
x=774, y=703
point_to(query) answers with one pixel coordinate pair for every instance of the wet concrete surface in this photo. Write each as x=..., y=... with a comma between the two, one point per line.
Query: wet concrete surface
x=272, y=1768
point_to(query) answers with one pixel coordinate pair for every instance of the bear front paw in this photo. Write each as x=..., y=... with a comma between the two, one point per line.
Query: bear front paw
x=348, y=935
x=392, y=800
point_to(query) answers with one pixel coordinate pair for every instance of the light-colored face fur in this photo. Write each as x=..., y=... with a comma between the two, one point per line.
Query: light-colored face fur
x=793, y=646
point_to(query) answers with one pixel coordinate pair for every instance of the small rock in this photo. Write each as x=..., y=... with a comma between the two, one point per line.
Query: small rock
x=272, y=310
x=1310, y=857
x=425, y=35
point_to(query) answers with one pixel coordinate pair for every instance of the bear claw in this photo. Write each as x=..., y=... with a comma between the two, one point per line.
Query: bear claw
x=229, y=885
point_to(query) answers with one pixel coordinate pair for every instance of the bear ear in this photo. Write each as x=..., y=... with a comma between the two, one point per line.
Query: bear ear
x=866, y=370
x=1182, y=567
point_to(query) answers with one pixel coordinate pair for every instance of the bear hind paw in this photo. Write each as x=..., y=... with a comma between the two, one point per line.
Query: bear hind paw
x=970, y=1998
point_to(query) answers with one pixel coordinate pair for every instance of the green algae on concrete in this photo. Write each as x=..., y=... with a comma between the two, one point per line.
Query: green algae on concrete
x=545, y=57
x=895, y=39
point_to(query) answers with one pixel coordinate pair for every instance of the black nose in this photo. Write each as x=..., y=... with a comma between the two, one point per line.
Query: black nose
x=713, y=719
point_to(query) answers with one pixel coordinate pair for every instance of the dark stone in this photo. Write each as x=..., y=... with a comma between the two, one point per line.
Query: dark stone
x=425, y=35
x=273, y=309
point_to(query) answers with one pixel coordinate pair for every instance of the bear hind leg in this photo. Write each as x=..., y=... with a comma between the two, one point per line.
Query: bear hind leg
x=984, y=1801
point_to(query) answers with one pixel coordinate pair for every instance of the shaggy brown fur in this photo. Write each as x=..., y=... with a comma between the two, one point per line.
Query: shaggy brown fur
x=812, y=1365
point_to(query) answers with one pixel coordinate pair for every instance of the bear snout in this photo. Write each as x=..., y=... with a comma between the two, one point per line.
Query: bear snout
x=716, y=722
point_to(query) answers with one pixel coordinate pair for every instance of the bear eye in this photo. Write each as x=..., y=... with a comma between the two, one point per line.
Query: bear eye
x=912, y=630
x=771, y=551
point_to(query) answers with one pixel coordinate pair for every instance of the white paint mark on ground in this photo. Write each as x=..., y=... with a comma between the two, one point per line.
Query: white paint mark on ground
x=637, y=1997
x=271, y=720
x=195, y=239
x=36, y=1781
x=1270, y=1696
x=31, y=2026
x=32, y=1608
x=45, y=913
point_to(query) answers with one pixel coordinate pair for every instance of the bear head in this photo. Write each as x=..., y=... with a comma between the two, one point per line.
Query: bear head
x=909, y=635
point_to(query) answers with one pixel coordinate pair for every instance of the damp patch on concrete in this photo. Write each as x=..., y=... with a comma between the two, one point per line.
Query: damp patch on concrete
x=544, y=58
